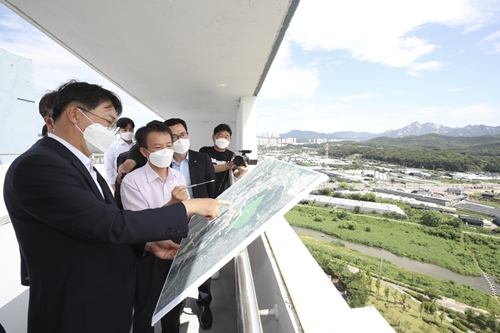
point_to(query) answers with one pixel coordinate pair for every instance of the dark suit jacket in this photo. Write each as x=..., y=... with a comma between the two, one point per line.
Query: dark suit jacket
x=76, y=243
x=201, y=170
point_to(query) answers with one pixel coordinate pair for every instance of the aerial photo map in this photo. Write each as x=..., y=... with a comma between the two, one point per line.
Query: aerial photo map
x=271, y=189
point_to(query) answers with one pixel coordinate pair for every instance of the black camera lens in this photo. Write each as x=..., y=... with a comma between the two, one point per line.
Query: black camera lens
x=239, y=161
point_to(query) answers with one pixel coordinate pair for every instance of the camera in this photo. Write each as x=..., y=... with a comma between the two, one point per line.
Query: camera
x=239, y=160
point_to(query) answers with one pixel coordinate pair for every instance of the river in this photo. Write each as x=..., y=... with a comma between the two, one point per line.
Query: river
x=403, y=262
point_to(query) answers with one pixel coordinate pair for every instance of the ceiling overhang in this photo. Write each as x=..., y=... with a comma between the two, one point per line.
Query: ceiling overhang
x=190, y=58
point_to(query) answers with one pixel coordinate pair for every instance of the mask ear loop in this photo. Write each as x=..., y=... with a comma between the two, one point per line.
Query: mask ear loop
x=85, y=117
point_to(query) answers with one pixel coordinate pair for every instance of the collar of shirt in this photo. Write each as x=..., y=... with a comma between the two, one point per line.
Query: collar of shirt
x=81, y=156
x=122, y=142
x=186, y=159
x=86, y=161
x=151, y=175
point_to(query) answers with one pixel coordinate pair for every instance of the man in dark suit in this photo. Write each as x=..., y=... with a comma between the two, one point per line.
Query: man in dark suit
x=197, y=168
x=76, y=242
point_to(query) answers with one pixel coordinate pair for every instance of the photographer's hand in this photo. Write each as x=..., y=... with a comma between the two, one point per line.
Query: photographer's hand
x=231, y=164
x=241, y=170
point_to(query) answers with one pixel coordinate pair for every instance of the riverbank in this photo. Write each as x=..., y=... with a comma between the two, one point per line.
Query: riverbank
x=416, y=266
x=443, y=246
x=334, y=257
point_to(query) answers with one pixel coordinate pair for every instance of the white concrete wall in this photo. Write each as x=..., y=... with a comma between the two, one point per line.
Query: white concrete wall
x=20, y=121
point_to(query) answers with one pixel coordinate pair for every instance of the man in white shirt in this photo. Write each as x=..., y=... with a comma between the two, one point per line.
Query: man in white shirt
x=125, y=127
x=151, y=186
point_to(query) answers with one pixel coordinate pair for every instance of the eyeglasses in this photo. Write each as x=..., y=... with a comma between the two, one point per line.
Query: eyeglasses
x=110, y=127
x=183, y=135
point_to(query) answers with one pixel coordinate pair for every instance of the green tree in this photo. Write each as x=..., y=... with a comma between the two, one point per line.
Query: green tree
x=405, y=326
x=369, y=197
x=356, y=210
x=455, y=222
x=442, y=316
x=403, y=297
x=378, y=284
x=346, y=186
x=357, y=291
x=425, y=329
x=387, y=291
x=432, y=293
x=432, y=218
x=442, y=329
x=395, y=295
x=325, y=191
x=369, y=280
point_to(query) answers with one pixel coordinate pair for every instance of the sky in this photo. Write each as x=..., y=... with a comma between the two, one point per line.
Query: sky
x=358, y=65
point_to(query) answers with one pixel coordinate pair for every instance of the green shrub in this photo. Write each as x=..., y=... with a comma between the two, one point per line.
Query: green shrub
x=342, y=215
x=459, y=325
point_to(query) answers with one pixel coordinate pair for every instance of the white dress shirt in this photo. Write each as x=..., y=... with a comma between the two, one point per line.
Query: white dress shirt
x=143, y=188
x=110, y=156
x=81, y=156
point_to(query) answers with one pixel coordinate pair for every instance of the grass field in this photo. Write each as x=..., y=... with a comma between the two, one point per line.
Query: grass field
x=416, y=242
x=331, y=256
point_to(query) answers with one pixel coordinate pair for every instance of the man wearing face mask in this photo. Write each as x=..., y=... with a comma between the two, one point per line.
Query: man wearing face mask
x=77, y=244
x=153, y=185
x=197, y=168
x=222, y=158
x=125, y=128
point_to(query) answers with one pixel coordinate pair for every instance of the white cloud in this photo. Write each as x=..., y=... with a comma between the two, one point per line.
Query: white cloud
x=454, y=90
x=470, y=115
x=362, y=96
x=492, y=42
x=416, y=68
x=384, y=31
x=285, y=79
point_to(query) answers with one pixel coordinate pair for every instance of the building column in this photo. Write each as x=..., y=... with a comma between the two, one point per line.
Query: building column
x=246, y=126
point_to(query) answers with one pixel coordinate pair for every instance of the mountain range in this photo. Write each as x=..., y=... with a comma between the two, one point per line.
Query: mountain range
x=414, y=129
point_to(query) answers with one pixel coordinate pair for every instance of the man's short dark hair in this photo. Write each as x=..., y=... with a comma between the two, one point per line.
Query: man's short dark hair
x=47, y=103
x=141, y=135
x=124, y=122
x=223, y=127
x=175, y=121
x=44, y=130
x=89, y=95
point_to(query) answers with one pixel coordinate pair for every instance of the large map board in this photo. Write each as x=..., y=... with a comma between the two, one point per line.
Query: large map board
x=271, y=189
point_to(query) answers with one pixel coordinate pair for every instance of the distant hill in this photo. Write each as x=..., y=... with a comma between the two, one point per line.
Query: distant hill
x=414, y=129
x=421, y=129
x=486, y=145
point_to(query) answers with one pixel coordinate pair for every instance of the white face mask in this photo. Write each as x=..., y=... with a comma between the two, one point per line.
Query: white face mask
x=181, y=146
x=161, y=158
x=222, y=143
x=97, y=136
x=127, y=136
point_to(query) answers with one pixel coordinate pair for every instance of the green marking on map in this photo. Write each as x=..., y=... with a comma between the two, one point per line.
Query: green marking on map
x=248, y=212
